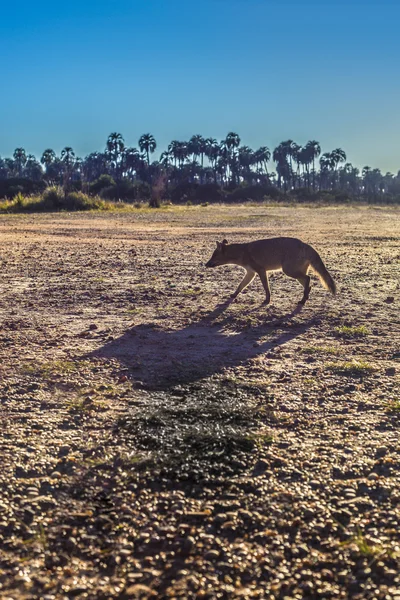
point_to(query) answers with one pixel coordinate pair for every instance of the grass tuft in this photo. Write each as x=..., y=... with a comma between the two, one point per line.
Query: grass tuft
x=348, y=332
x=352, y=368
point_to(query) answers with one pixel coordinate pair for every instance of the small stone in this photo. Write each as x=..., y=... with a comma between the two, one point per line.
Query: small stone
x=138, y=591
x=188, y=545
x=63, y=451
x=211, y=555
x=260, y=467
x=381, y=451
x=28, y=517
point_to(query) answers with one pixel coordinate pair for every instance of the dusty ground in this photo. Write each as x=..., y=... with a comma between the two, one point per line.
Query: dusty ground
x=156, y=442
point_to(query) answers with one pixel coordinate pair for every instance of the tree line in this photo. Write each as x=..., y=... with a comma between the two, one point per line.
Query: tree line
x=198, y=162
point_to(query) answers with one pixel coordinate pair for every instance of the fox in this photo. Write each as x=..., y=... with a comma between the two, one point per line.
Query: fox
x=290, y=255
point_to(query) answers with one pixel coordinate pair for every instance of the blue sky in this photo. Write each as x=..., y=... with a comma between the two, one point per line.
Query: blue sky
x=73, y=72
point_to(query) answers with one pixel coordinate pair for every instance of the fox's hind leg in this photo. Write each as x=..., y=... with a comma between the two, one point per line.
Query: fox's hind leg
x=264, y=280
x=302, y=278
x=248, y=278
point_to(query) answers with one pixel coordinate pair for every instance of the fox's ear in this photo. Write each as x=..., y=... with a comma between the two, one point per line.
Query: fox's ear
x=224, y=242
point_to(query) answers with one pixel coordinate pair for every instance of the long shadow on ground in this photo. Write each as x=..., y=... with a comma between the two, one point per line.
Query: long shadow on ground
x=161, y=358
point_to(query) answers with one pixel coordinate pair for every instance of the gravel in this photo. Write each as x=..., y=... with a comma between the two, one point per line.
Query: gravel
x=157, y=443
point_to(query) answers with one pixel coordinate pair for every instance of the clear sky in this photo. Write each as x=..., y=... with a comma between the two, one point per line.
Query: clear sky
x=73, y=72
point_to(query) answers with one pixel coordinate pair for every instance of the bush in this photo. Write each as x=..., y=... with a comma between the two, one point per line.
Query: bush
x=53, y=198
x=80, y=201
x=127, y=191
x=182, y=192
x=209, y=192
x=104, y=181
x=9, y=188
x=256, y=193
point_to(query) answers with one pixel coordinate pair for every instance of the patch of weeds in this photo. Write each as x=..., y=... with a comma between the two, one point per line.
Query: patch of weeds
x=366, y=549
x=133, y=311
x=56, y=367
x=38, y=539
x=263, y=439
x=372, y=552
x=84, y=405
x=348, y=332
x=310, y=381
x=263, y=383
x=393, y=406
x=352, y=368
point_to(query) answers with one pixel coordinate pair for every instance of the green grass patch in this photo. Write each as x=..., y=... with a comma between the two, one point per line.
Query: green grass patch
x=84, y=404
x=55, y=199
x=56, y=367
x=352, y=368
x=393, y=406
x=370, y=551
x=348, y=332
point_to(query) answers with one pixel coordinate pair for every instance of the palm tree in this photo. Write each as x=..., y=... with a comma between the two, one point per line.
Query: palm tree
x=195, y=146
x=147, y=144
x=328, y=165
x=366, y=175
x=212, y=152
x=48, y=157
x=131, y=161
x=290, y=149
x=68, y=156
x=19, y=160
x=94, y=165
x=232, y=143
x=246, y=160
x=280, y=156
x=338, y=155
x=32, y=169
x=179, y=151
x=262, y=157
x=115, y=147
x=303, y=158
x=313, y=150
x=68, y=159
x=166, y=158
x=166, y=162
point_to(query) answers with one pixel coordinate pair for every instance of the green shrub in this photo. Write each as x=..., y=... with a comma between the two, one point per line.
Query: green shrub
x=104, y=181
x=127, y=191
x=209, y=192
x=52, y=198
x=245, y=192
x=182, y=192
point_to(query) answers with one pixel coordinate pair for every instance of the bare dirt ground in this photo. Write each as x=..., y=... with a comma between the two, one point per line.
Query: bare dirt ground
x=158, y=442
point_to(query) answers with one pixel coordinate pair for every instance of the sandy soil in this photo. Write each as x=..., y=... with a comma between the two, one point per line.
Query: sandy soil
x=157, y=441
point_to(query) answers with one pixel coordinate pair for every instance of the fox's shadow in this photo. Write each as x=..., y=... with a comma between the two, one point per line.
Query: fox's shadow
x=159, y=359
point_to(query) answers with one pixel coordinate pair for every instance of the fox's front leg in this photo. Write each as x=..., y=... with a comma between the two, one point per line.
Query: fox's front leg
x=248, y=278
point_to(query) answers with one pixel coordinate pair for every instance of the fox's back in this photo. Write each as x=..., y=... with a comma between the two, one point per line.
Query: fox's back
x=271, y=253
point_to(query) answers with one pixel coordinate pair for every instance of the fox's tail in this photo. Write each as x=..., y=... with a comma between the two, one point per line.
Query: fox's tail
x=318, y=266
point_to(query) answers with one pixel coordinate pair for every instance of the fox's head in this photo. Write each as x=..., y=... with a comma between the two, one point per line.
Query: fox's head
x=219, y=255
